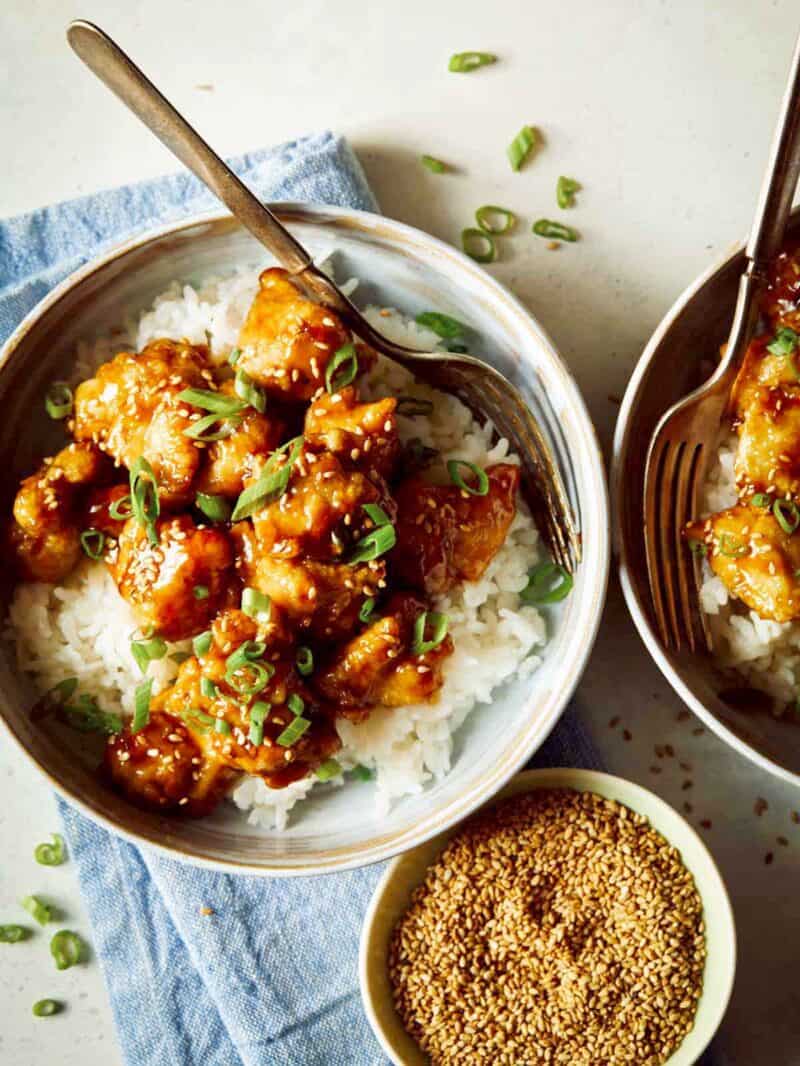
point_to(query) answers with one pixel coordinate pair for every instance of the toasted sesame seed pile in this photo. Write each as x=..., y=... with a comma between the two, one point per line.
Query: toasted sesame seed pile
x=557, y=927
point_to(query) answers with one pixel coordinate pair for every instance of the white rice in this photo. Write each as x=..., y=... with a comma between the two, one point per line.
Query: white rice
x=83, y=628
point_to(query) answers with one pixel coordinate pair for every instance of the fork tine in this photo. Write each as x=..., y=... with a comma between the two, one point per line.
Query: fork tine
x=695, y=504
x=652, y=494
x=683, y=503
x=666, y=534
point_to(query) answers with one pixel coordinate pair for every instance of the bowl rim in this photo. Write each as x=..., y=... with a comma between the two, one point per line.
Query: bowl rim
x=620, y=450
x=583, y=781
x=584, y=443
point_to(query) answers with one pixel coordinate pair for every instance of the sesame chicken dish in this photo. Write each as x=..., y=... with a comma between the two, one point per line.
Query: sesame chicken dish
x=274, y=536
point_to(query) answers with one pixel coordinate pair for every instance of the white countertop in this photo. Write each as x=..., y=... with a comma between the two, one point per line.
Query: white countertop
x=663, y=111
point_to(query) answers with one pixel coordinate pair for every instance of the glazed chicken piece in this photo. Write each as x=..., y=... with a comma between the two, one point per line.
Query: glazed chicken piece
x=98, y=509
x=45, y=533
x=130, y=408
x=379, y=666
x=287, y=341
x=445, y=535
x=756, y=559
x=363, y=434
x=229, y=462
x=178, y=585
x=781, y=300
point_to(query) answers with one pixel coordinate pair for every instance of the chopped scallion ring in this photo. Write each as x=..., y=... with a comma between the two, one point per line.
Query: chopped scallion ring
x=478, y=245
x=495, y=220
x=547, y=583
x=481, y=486
x=64, y=690
x=377, y=514
x=362, y=773
x=272, y=481
x=521, y=147
x=376, y=543
x=208, y=688
x=258, y=715
x=342, y=369
x=786, y=515
x=327, y=770
x=58, y=401
x=217, y=508
x=761, y=499
x=201, y=429
x=697, y=547
x=222, y=727
x=51, y=854
x=141, y=712
x=67, y=949
x=201, y=643
x=367, y=607
x=249, y=678
x=146, y=651
x=93, y=541
x=144, y=497
x=784, y=343
x=208, y=400
x=85, y=716
x=442, y=325
x=460, y=349
x=245, y=653
x=293, y=731
x=464, y=62
x=565, y=191
x=409, y=406
x=180, y=657
x=46, y=1008
x=200, y=592
x=247, y=390
x=731, y=546
x=38, y=910
x=198, y=720
x=556, y=231
x=295, y=703
x=234, y=356
x=304, y=661
x=438, y=624
x=13, y=934
x=122, y=509
x=436, y=166
x=256, y=604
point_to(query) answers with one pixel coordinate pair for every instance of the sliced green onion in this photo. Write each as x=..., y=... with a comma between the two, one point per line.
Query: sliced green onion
x=436, y=166
x=67, y=949
x=58, y=400
x=180, y=657
x=377, y=514
x=272, y=481
x=141, y=712
x=46, y=1008
x=38, y=910
x=201, y=429
x=93, y=541
x=565, y=191
x=256, y=604
x=761, y=499
x=459, y=349
x=785, y=342
x=249, y=678
x=329, y=769
x=144, y=497
x=464, y=62
x=409, y=406
x=201, y=643
x=247, y=390
x=247, y=652
x=304, y=661
x=122, y=509
x=217, y=508
x=198, y=720
x=295, y=703
x=51, y=854
x=234, y=356
x=697, y=547
x=361, y=773
x=87, y=717
x=521, y=147
x=146, y=651
x=367, y=607
x=547, y=583
x=208, y=688
x=495, y=220
x=438, y=624
x=376, y=543
x=556, y=231
x=208, y=400
x=200, y=592
x=478, y=245
x=342, y=369
x=64, y=690
x=731, y=546
x=481, y=487
x=442, y=325
x=786, y=515
x=13, y=934
x=222, y=727
x=258, y=715
x=293, y=731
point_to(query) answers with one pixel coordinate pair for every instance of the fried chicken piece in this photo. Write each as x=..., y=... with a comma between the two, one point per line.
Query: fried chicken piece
x=98, y=509
x=130, y=408
x=231, y=461
x=756, y=559
x=364, y=434
x=378, y=666
x=781, y=300
x=45, y=533
x=287, y=341
x=445, y=535
x=178, y=585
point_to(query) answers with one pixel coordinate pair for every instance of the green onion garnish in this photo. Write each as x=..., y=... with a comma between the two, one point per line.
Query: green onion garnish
x=731, y=546
x=556, y=231
x=222, y=727
x=256, y=604
x=478, y=245
x=361, y=773
x=480, y=488
x=438, y=624
x=66, y=948
x=367, y=607
x=409, y=406
x=330, y=768
x=202, y=429
x=784, y=343
x=376, y=543
x=247, y=652
x=697, y=547
x=521, y=147
x=244, y=674
x=45, y=1008
x=93, y=541
x=200, y=592
x=442, y=325
x=180, y=657
x=565, y=191
x=141, y=702
x=38, y=910
x=13, y=934
x=198, y=720
x=51, y=854
x=58, y=400
x=258, y=714
x=122, y=509
x=208, y=688
x=460, y=349
x=234, y=356
x=304, y=661
x=342, y=369
x=377, y=514
x=436, y=166
x=208, y=400
x=547, y=583
x=87, y=717
x=293, y=732
x=786, y=515
x=295, y=703
x=495, y=220
x=464, y=62
x=217, y=508
x=64, y=690
x=272, y=481
x=247, y=390
x=761, y=499
x=146, y=651
x=144, y=497
x=201, y=643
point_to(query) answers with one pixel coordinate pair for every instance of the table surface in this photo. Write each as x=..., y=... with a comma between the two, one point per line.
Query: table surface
x=663, y=110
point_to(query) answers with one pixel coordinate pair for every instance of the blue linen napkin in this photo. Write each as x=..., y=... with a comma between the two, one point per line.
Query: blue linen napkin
x=271, y=977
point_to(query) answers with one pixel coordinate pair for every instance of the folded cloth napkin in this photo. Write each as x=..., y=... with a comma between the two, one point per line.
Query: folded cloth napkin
x=270, y=978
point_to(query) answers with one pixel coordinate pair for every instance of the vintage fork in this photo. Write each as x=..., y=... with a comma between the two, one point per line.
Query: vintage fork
x=480, y=386
x=680, y=447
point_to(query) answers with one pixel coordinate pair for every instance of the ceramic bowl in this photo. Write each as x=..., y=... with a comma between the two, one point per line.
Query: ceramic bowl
x=399, y=267
x=393, y=893
x=676, y=360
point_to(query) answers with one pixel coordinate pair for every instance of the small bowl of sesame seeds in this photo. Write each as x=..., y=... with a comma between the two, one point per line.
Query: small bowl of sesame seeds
x=576, y=920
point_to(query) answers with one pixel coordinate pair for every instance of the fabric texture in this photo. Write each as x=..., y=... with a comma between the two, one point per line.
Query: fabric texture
x=270, y=978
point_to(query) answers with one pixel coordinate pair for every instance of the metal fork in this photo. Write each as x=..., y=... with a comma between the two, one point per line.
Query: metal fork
x=679, y=451
x=485, y=391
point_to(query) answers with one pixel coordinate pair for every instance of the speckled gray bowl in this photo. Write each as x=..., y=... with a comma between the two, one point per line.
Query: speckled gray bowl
x=400, y=267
